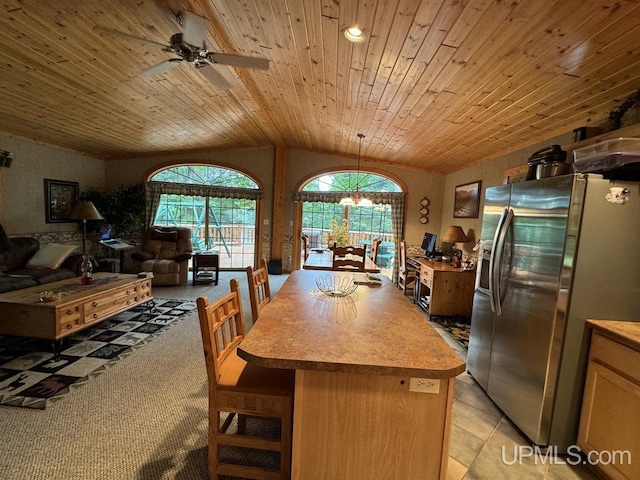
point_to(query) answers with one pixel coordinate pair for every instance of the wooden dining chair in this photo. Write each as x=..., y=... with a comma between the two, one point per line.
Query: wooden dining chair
x=375, y=243
x=349, y=258
x=240, y=388
x=406, y=274
x=305, y=245
x=259, y=290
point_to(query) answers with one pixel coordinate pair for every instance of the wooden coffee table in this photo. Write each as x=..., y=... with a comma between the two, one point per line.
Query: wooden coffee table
x=23, y=314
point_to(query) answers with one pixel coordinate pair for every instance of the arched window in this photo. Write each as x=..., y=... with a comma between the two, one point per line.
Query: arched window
x=217, y=203
x=320, y=197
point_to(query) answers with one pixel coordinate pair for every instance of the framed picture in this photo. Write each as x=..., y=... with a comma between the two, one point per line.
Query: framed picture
x=60, y=198
x=466, y=203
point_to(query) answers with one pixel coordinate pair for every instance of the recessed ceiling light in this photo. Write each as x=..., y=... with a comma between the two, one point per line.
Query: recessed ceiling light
x=354, y=34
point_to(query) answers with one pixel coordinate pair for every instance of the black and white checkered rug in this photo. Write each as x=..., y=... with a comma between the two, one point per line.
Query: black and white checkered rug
x=31, y=376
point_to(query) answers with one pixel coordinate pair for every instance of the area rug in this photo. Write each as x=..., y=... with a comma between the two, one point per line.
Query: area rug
x=456, y=328
x=31, y=376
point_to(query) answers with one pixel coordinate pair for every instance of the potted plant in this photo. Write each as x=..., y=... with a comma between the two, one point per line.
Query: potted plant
x=339, y=232
x=123, y=207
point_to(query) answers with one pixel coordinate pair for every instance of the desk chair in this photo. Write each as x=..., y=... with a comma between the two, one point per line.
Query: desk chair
x=259, y=290
x=240, y=388
x=349, y=258
x=374, y=250
x=406, y=274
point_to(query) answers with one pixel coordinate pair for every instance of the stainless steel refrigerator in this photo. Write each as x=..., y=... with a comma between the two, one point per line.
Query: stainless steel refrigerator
x=554, y=252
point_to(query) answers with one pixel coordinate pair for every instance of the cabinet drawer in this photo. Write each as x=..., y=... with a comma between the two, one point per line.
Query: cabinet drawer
x=69, y=319
x=103, y=307
x=426, y=277
x=618, y=357
x=70, y=313
x=144, y=288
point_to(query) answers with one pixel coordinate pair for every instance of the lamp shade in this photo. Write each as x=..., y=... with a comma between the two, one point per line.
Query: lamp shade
x=86, y=211
x=455, y=234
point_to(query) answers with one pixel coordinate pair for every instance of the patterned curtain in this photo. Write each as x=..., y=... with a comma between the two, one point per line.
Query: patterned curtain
x=153, y=190
x=395, y=199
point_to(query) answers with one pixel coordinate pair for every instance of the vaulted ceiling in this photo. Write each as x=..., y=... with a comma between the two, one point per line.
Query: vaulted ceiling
x=437, y=84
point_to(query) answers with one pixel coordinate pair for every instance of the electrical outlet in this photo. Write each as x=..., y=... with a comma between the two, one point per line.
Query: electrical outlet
x=424, y=385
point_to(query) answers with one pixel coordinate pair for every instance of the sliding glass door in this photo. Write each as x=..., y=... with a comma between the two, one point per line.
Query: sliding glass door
x=221, y=217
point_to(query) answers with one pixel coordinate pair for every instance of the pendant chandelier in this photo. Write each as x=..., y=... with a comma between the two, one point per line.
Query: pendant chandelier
x=356, y=199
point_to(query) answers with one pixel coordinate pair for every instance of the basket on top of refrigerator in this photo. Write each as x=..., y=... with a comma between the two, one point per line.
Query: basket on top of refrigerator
x=617, y=159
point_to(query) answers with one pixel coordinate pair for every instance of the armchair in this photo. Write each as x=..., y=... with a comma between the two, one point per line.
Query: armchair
x=165, y=252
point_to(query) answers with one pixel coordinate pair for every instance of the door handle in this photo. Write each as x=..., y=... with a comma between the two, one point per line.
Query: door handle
x=492, y=259
x=496, y=272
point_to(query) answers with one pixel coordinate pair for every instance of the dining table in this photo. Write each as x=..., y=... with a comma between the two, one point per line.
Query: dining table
x=322, y=259
x=374, y=381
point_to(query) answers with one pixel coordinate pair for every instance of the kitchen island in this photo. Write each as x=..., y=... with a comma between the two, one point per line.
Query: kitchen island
x=359, y=361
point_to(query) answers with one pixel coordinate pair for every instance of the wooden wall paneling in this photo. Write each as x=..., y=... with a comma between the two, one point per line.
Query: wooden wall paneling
x=279, y=194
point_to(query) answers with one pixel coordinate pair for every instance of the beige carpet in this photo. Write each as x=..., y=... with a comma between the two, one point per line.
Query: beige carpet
x=145, y=418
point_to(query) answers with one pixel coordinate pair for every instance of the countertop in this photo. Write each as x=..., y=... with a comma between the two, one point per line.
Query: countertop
x=625, y=333
x=375, y=331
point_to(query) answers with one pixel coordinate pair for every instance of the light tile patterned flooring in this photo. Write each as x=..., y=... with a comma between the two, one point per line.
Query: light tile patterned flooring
x=480, y=433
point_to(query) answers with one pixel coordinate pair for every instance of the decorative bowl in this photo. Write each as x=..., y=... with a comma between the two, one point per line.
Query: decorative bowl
x=336, y=286
x=49, y=296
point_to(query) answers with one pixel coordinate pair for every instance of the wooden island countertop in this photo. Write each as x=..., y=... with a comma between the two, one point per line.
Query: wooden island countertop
x=374, y=331
x=360, y=362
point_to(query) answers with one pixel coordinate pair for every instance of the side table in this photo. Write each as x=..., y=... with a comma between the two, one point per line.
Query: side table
x=203, y=263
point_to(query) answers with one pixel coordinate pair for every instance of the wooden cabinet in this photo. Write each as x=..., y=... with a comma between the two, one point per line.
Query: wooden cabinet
x=610, y=415
x=23, y=314
x=443, y=290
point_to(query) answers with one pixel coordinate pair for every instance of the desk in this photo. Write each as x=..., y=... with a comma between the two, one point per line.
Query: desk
x=354, y=415
x=449, y=290
x=324, y=261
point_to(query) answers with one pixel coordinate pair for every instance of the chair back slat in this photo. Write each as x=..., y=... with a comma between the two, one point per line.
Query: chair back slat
x=374, y=249
x=259, y=290
x=305, y=245
x=222, y=328
x=349, y=258
x=406, y=275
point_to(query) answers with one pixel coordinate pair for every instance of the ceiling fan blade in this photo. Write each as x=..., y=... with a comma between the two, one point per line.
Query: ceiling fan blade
x=239, y=61
x=210, y=73
x=194, y=28
x=116, y=33
x=161, y=67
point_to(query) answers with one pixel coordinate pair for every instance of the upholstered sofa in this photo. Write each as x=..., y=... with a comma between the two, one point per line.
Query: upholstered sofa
x=165, y=252
x=22, y=267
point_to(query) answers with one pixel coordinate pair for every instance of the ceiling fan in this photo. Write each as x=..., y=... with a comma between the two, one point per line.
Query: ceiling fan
x=190, y=46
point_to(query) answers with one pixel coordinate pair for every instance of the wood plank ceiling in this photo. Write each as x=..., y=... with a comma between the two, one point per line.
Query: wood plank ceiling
x=437, y=85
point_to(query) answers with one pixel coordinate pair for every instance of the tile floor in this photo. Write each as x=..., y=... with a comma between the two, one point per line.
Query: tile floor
x=481, y=433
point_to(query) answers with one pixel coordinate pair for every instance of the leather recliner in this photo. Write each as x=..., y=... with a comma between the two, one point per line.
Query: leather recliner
x=165, y=252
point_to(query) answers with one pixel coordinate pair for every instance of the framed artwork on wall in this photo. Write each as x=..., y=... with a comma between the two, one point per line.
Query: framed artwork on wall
x=466, y=203
x=60, y=197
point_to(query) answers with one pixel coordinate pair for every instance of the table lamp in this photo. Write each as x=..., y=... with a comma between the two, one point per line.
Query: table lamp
x=453, y=235
x=85, y=211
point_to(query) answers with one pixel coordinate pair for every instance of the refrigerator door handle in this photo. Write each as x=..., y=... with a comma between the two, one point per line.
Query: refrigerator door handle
x=492, y=260
x=496, y=272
